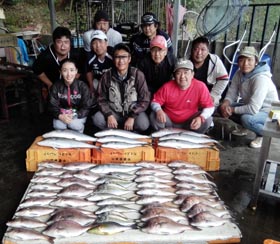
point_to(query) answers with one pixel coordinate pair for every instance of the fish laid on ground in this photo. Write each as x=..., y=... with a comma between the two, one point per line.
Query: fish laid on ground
x=27, y=235
x=107, y=217
x=74, y=215
x=50, y=164
x=152, y=178
x=155, y=172
x=143, y=200
x=157, y=192
x=70, y=202
x=35, y=201
x=191, y=192
x=109, y=228
x=69, y=134
x=120, y=145
x=118, y=208
x=65, y=228
x=189, y=171
x=188, y=138
x=192, y=133
x=164, y=226
x=112, y=168
x=154, y=185
x=50, y=172
x=179, y=144
x=115, y=138
x=153, y=165
x=200, y=207
x=35, y=211
x=57, y=143
x=23, y=222
x=45, y=179
x=194, y=179
x=118, y=132
x=194, y=186
x=86, y=175
x=164, y=132
x=78, y=166
x=36, y=193
x=43, y=187
x=75, y=190
x=206, y=219
x=190, y=201
x=182, y=164
x=115, y=201
x=65, y=182
x=102, y=196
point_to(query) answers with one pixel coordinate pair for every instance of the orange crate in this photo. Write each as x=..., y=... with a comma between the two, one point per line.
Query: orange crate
x=36, y=154
x=131, y=155
x=208, y=159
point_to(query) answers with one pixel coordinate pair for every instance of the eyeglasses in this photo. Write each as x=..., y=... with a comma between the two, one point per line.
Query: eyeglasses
x=121, y=57
x=148, y=19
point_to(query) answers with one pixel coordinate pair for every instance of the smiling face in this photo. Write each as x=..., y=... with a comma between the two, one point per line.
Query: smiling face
x=99, y=47
x=184, y=78
x=150, y=30
x=247, y=64
x=199, y=53
x=121, y=61
x=158, y=54
x=68, y=72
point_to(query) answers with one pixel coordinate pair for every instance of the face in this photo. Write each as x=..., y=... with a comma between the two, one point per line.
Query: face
x=122, y=60
x=99, y=47
x=247, y=64
x=158, y=54
x=183, y=78
x=62, y=46
x=150, y=30
x=102, y=25
x=68, y=72
x=199, y=53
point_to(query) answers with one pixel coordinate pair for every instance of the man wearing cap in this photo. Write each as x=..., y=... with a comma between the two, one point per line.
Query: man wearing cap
x=182, y=103
x=100, y=60
x=101, y=22
x=140, y=43
x=158, y=65
x=209, y=68
x=250, y=94
x=123, y=95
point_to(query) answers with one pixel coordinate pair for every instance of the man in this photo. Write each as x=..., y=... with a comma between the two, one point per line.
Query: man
x=123, y=95
x=47, y=65
x=100, y=61
x=101, y=22
x=178, y=102
x=158, y=65
x=249, y=97
x=140, y=43
x=209, y=68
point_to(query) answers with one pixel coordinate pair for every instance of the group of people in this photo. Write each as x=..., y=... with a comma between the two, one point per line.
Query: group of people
x=141, y=85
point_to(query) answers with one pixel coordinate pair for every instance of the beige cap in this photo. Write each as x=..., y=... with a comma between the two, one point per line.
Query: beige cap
x=249, y=52
x=183, y=64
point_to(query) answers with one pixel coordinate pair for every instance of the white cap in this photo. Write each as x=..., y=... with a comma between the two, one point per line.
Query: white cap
x=98, y=34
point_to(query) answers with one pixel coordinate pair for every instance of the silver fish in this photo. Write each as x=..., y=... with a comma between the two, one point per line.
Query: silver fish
x=182, y=164
x=168, y=205
x=151, y=178
x=86, y=175
x=115, y=201
x=57, y=143
x=35, y=201
x=109, y=228
x=123, y=133
x=69, y=134
x=65, y=228
x=120, y=145
x=27, y=235
x=107, y=139
x=195, y=186
x=65, y=182
x=155, y=172
x=118, y=208
x=75, y=190
x=194, y=179
x=188, y=138
x=105, y=217
x=112, y=168
x=164, y=226
x=44, y=179
x=35, y=211
x=49, y=172
x=200, y=207
x=192, y=133
x=102, y=196
x=42, y=187
x=23, y=222
x=50, y=164
x=189, y=192
x=164, y=132
x=78, y=166
x=190, y=171
x=153, y=165
x=70, y=202
x=116, y=177
x=157, y=192
x=190, y=201
x=44, y=193
x=112, y=191
x=153, y=185
x=143, y=200
x=179, y=144
x=206, y=219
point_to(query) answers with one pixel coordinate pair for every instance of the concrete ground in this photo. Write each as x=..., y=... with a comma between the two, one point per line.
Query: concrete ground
x=234, y=179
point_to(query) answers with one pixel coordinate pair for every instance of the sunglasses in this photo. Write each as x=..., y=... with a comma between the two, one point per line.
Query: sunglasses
x=148, y=19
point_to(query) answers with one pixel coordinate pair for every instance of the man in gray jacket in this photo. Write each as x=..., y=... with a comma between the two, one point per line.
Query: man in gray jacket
x=250, y=95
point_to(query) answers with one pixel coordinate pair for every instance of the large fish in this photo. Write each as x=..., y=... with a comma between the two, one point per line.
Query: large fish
x=123, y=133
x=206, y=219
x=115, y=138
x=112, y=168
x=35, y=201
x=23, y=222
x=166, y=131
x=78, y=166
x=49, y=172
x=36, y=211
x=179, y=144
x=200, y=207
x=75, y=190
x=118, y=208
x=41, y=193
x=70, y=202
x=189, y=138
x=182, y=164
x=120, y=145
x=69, y=134
x=109, y=228
x=64, y=143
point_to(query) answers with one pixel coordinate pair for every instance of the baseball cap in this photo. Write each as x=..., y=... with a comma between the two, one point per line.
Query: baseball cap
x=98, y=34
x=249, y=52
x=149, y=18
x=158, y=41
x=101, y=15
x=183, y=64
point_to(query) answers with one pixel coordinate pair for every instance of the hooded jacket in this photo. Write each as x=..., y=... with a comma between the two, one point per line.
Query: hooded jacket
x=256, y=89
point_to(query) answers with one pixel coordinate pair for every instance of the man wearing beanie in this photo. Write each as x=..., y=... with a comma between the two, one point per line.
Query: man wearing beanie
x=101, y=22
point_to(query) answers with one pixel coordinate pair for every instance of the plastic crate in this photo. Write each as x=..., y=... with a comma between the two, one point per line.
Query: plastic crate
x=36, y=154
x=208, y=159
x=131, y=155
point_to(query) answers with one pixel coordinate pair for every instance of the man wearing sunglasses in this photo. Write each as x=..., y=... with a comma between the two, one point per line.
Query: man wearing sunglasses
x=140, y=43
x=123, y=95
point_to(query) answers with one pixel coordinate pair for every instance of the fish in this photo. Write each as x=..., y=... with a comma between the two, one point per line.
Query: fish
x=194, y=179
x=109, y=228
x=153, y=185
x=50, y=164
x=73, y=215
x=192, y=133
x=36, y=211
x=168, y=205
x=120, y=145
x=153, y=165
x=75, y=190
x=152, y=178
x=123, y=133
x=191, y=171
x=143, y=200
x=45, y=186
x=188, y=138
x=189, y=192
x=35, y=201
x=189, y=201
x=58, y=143
x=206, y=219
x=155, y=172
x=164, y=226
x=200, y=207
x=65, y=182
x=65, y=228
x=157, y=192
x=23, y=222
x=195, y=186
x=70, y=202
x=102, y=196
x=86, y=175
x=114, y=138
x=115, y=201
x=41, y=193
x=116, y=177
x=69, y=134
x=112, y=168
x=166, y=131
x=120, y=186
x=49, y=172
x=107, y=217
x=118, y=208
x=179, y=144
x=182, y=164
x=23, y=234
x=45, y=179
x=74, y=166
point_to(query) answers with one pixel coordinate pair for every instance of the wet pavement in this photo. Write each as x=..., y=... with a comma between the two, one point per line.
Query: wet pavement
x=234, y=179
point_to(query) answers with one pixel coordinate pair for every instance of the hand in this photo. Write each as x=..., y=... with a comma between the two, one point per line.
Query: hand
x=226, y=110
x=112, y=122
x=129, y=123
x=161, y=116
x=66, y=118
x=196, y=123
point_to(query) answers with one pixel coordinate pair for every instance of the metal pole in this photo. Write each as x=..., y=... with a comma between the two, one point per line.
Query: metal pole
x=175, y=26
x=113, y=13
x=52, y=14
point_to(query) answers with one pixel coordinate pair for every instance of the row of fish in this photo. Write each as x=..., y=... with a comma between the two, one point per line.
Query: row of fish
x=73, y=199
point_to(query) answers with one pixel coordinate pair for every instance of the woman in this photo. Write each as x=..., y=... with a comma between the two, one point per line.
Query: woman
x=70, y=99
x=250, y=95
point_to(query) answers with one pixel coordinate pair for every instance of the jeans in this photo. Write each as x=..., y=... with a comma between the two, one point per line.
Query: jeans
x=254, y=122
x=76, y=124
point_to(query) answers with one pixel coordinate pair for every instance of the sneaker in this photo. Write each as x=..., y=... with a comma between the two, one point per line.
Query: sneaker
x=257, y=143
x=240, y=132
